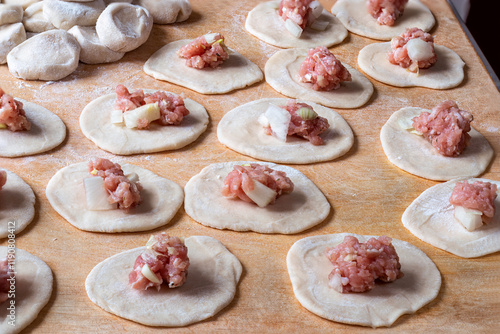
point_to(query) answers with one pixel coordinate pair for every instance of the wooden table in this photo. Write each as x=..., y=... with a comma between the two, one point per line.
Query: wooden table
x=368, y=194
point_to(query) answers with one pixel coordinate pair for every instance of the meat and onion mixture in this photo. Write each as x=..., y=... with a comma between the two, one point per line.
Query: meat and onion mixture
x=4, y=283
x=167, y=263
x=386, y=11
x=12, y=114
x=478, y=196
x=3, y=178
x=413, y=55
x=172, y=108
x=240, y=180
x=357, y=265
x=323, y=70
x=446, y=128
x=295, y=10
x=201, y=53
x=121, y=190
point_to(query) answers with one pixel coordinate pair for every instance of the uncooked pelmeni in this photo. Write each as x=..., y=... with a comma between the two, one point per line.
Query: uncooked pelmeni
x=64, y=15
x=123, y=27
x=23, y=3
x=51, y=55
x=167, y=11
x=34, y=20
x=92, y=51
x=10, y=14
x=107, y=2
x=11, y=35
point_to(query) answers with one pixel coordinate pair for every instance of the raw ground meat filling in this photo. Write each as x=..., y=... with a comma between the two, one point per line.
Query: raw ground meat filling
x=12, y=115
x=200, y=53
x=478, y=196
x=3, y=178
x=295, y=10
x=4, y=283
x=357, y=265
x=323, y=70
x=167, y=260
x=400, y=54
x=446, y=128
x=386, y=11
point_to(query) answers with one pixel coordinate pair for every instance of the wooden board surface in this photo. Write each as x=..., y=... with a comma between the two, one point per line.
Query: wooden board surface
x=368, y=195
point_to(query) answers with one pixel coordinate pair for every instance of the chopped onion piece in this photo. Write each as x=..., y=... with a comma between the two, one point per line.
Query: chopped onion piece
x=279, y=121
x=96, y=194
x=407, y=124
x=210, y=38
x=335, y=283
x=316, y=10
x=306, y=113
x=132, y=177
x=150, y=112
x=149, y=274
x=293, y=28
x=419, y=49
x=262, y=195
x=319, y=25
x=151, y=242
x=3, y=126
x=117, y=117
x=470, y=219
x=263, y=120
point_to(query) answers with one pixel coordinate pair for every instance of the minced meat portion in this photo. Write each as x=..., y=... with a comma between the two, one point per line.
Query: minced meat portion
x=121, y=190
x=399, y=54
x=386, y=11
x=323, y=70
x=242, y=177
x=200, y=54
x=295, y=10
x=167, y=258
x=446, y=128
x=478, y=196
x=12, y=114
x=4, y=283
x=357, y=265
x=3, y=178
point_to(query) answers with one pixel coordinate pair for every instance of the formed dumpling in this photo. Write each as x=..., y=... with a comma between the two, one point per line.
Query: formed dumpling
x=11, y=35
x=66, y=14
x=92, y=51
x=167, y=11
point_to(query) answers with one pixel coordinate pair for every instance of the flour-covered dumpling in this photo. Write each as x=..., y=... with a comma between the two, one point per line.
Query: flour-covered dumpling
x=10, y=14
x=11, y=35
x=92, y=51
x=66, y=14
x=34, y=20
x=23, y=3
x=167, y=11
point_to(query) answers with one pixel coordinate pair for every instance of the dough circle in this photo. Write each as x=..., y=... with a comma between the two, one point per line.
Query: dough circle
x=67, y=14
x=292, y=213
x=96, y=125
x=235, y=73
x=161, y=199
x=282, y=73
x=211, y=284
x=167, y=11
x=47, y=132
x=355, y=17
x=264, y=23
x=447, y=72
x=309, y=268
x=17, y=204
x=415, y=155
x=92, y=50
x=11, y=35
x=34, y=282
x=430, y=217
x=240, y=130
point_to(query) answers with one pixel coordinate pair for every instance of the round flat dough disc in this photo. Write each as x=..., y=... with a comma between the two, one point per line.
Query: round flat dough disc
x=211, y=283
x=17, y=205
x=415, y=155
x=161, y=198
x=431, y=218
x=282, y=73
x=33, y=290
x=95, y=122
x=303, y=208
x=309, y=268
x=166, y=11
x=355, y=17
x=264, y=23
x=47, y=132
x=240, y=130
x=447, y=72
x=235, y=73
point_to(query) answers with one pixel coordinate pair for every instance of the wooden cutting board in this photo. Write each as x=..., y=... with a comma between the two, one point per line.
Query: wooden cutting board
x=368, y=195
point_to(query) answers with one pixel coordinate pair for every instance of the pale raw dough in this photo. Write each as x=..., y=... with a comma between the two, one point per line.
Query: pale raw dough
x=235, y=73
x=240, y=131
x=17, y=204
x=161, y=198
x=107, y=2
x=11, y=35
x=92, y=51
x=33, y=19
x=355, y=17
x=303, y=208
x=10, y=14
x=33, y=290
x=431, y=218
x=212, y=279
x=264, y=23
x=47, y=132
x=51, y=55
x=309, y=268
x=414, y=154
x=166, y=11
x=65, y=14
x=23, y=3
x=123, y=27
x=95, y=122
x=282, y=73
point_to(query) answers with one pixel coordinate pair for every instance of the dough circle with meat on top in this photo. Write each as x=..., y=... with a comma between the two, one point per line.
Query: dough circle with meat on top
x=282, y=73
x=47, y=132
x=303, y=208
x=95, y=122
x=161, y=199
x=240, y=130
x=430, y=217
x=309, y=268
x=34, y=283
x=265, y=23
x=236, y=72
x=415, y=155
x=213, y=275
x=17, y=205
x=355, y=17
